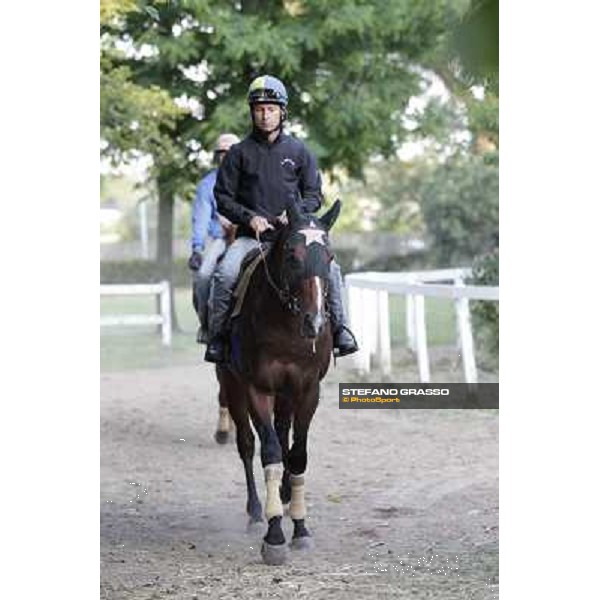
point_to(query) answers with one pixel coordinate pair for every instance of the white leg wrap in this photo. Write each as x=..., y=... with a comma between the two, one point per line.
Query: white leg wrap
x=273, y=475
x=297, y=505
x=224, y=423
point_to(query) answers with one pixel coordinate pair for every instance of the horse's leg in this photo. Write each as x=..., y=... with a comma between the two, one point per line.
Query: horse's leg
x=283, y=423
x=245, y=442
x=224, y=423
x=303, y=414
x=273, y=550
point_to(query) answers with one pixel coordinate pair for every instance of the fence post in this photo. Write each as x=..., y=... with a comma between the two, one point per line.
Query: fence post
x=410, y=323
x=370, y=318
x=421, y=338
x=463, y=317
x=362, y=357
x=458, y=281
x=165, y=311
x=384, y=349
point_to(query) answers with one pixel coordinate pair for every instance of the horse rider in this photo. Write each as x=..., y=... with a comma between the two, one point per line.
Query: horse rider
x=209, y=233
x=255, y=181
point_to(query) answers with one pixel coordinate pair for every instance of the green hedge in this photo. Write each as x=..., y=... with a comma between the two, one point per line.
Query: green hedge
x=146, y=271
x=486, y=315
x=142, y=271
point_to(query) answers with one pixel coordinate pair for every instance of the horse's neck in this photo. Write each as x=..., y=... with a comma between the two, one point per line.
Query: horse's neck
x=264, y=299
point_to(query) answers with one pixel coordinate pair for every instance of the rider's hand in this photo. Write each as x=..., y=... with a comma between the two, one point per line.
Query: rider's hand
x=195, y=261
x=282, y=218
x=260, y=224
x=226, y=224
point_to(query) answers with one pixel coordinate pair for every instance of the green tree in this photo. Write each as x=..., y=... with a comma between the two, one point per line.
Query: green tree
x=476, y=43
x=459, y=201
x=467, y=57
x=452, y=203
x=456, y=183
x=350, y=67
x=486, y=315
x=133, y=116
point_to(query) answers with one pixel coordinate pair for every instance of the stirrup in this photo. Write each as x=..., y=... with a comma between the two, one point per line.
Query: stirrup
x=347, y=348
x=215, y=351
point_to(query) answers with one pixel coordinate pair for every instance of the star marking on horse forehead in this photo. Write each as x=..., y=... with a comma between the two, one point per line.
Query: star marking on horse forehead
x=313, y=235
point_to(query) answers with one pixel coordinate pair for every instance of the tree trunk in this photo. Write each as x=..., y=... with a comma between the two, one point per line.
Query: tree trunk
x=164, y=250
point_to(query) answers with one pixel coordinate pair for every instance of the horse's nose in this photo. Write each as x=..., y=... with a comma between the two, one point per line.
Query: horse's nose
x=312, y=325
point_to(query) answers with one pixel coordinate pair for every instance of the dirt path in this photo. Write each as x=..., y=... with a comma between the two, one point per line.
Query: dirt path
x=402, y=504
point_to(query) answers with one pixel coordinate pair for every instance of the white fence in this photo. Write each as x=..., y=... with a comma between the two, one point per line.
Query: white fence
x=163, y=318
x=368, y=301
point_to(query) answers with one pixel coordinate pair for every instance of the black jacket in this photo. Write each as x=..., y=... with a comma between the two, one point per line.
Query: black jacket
x=258, y=178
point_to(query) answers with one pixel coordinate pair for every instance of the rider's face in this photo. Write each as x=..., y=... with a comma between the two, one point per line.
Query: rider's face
x=266, y=116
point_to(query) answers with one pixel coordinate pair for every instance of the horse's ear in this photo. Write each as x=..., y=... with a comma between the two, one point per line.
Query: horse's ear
x=330, y=217
x=293, y=212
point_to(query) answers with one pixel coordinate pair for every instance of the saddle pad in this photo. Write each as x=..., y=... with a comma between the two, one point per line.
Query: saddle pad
x=242, y=284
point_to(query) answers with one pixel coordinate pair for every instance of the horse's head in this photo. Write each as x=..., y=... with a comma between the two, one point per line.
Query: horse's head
x=304, y=265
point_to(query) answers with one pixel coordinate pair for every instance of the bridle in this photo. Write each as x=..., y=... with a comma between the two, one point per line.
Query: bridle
x=290, y=301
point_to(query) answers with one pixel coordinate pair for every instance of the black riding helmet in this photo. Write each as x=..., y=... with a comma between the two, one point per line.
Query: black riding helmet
x=268, y=90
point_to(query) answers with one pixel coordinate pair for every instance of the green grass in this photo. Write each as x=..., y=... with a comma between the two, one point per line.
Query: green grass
x=120, y=305
x=440, y=320
x=140, y=346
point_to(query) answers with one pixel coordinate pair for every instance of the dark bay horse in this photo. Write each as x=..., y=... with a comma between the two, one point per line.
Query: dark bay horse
x=281, y=349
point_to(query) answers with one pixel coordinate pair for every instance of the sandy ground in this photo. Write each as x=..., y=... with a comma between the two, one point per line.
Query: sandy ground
x=401, y=503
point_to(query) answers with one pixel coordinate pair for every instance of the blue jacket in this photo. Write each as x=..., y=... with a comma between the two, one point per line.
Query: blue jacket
x=205, y=221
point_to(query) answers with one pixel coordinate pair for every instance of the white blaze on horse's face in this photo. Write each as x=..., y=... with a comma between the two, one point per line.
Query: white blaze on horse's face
x=319, y=293
x=313, y=308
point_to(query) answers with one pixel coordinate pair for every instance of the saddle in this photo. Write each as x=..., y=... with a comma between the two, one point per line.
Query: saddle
x=232, y=326
x=249, y=264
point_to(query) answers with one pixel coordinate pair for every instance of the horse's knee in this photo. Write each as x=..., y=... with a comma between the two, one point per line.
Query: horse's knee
x=270, y=452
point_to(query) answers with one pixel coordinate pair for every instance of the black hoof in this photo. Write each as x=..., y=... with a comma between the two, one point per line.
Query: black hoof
x=305, y=543
x=221, y=437
x=274, y=555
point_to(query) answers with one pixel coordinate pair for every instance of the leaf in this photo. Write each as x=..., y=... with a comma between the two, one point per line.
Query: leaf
x=152, y=12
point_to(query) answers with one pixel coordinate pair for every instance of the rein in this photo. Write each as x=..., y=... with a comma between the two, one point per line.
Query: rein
x=288, y=300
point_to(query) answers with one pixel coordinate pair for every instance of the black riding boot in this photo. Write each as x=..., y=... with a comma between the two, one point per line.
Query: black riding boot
x=344, y=341
x=218, y=303
x=201, y=311
x=202, y=333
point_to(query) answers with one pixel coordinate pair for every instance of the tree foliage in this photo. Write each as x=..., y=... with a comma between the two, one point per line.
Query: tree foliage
x=468, y=58
x=459, y=200
x=453, y=204
x=486, y=315
x=175, y=75
x=476, y=42
x=349, y=67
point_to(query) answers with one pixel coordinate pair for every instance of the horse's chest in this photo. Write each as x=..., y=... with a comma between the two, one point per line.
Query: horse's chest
x=273, y=372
